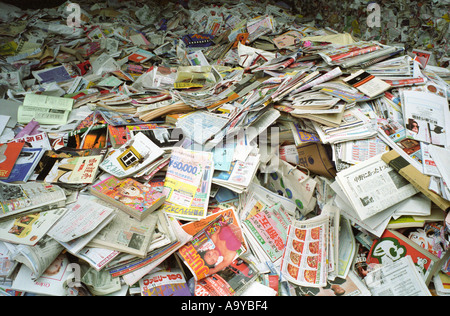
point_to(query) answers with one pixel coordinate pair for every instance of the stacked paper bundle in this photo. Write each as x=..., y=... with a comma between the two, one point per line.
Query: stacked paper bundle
x=219, y=149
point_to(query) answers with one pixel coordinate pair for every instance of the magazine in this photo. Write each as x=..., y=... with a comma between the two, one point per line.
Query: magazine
x=39, y=257
x=393, y=246
x=75, y=170
x=49, y=283
x=337, y=54
x=232, y=281
x=168, y=282
x=373, y=186
x=132, y=197
x=25, y=165
x=9, y=153
x=188, y=184
x=304, y=261
x=133, y=156
x=19, y=198
x=213, y=248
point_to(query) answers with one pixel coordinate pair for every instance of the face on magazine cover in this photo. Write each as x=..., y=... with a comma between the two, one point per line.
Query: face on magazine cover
x=130, y=194
x=227, y=243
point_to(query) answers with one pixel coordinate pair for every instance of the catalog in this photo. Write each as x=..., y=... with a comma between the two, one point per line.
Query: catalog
x=304, y=260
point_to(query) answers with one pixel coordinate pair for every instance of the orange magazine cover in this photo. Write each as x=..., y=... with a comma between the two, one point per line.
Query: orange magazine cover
x=9, y=153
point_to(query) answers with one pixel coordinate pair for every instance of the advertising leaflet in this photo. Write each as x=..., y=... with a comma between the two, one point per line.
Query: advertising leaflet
x=266, y=232
x=188, y=184
x=425, y=117
x=304, y=260
x=240, y=174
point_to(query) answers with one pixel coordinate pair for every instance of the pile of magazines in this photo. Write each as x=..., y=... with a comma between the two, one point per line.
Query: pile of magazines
x=205, y=150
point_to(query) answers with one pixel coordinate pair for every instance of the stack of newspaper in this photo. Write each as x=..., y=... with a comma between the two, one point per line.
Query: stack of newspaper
x=221, y=149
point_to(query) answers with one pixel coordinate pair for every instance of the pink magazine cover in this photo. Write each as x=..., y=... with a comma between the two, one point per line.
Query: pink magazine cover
x=129, y=192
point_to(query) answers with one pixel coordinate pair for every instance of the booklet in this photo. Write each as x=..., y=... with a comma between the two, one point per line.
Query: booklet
x=367, y=83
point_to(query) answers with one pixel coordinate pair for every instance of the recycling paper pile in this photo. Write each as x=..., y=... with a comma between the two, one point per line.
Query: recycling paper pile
x=201, y=149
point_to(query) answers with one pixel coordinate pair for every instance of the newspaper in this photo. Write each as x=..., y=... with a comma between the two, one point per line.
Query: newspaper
x=38, y=258
x=83, y=222
x=126, y=234
x=373, y=186
x=188, y=184
x=19, y=198
x=304, y=260
x=399, y=278
x=100, y=282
